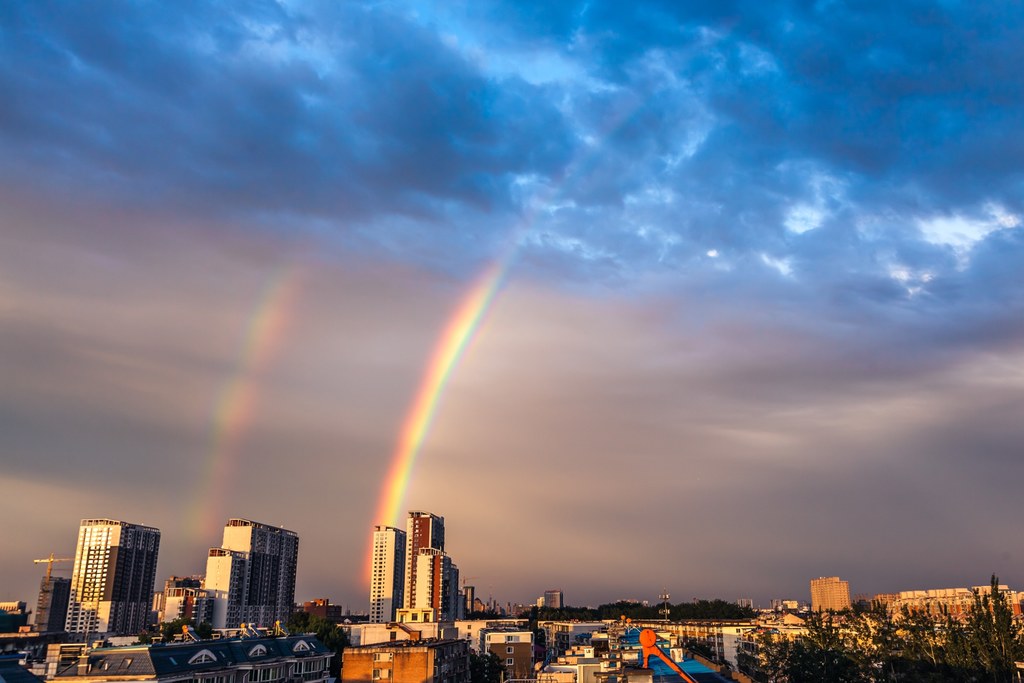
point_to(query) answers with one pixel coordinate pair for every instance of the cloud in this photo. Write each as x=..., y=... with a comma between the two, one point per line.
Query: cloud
x=762, y=258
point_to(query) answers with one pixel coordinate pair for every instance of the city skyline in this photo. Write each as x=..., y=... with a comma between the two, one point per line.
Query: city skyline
x=713, y=299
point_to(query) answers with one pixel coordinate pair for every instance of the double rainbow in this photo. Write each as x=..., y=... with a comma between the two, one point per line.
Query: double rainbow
x=236, y=403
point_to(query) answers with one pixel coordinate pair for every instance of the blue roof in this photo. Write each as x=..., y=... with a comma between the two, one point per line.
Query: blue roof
x=661, y=671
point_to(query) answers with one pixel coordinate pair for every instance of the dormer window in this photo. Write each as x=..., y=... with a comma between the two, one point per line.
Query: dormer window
x=202, y=657
x=258, y=651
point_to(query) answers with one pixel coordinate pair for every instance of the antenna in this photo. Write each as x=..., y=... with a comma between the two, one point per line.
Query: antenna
x=665, y=610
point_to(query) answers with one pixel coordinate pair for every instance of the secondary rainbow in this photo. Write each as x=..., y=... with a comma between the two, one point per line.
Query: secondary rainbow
x=236, y=404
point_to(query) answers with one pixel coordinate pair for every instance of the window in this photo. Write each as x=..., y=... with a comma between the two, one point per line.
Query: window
x=381, y=674
x=509, y=650
x=510, y=661
x=383, y=656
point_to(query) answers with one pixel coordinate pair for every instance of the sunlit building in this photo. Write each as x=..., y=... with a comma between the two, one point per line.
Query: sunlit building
x=437, y=585
x=113, y=576
x=829, y=593
x=387, y=573
x=251, y=577
x=408, y=661
x=424, y=530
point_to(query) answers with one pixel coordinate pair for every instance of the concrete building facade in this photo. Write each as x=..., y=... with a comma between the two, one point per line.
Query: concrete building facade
x=52, y=605
x=251, y=577
x=829, y=593
x=112, y=580
x=387, y=573
x=410, y=661
x=424, y=530
x=513, y=648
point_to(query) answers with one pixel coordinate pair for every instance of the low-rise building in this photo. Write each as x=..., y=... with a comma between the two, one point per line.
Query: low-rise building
x=410, y=661
x=291, y=659
x=513, y=647
x=559, y=636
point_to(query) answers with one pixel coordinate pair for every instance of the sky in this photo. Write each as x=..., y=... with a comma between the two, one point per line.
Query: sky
x=748, y=278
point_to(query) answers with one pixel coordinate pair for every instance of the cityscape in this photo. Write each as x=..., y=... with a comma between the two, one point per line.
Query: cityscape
x=475, y=342
x=427, y=623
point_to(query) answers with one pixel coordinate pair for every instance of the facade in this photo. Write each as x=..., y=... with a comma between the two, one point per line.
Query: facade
x=424, y=530
x=251, y=577
x=437, y=584
x=387, y=573
x=829, y=593
x=52, y=606
x=956, y=602
x=559, y=636
x=194, y=604
x=411, y=661
x=293, y=659
x=420, y=629
x=322, y=607
x=553, y=599
x=112, y=580
x=513, y=648
x=163, y=615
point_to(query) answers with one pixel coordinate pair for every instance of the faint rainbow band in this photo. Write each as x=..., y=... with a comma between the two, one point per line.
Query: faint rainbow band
x=236, y=404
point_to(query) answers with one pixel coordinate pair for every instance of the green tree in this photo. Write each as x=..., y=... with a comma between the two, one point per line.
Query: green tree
x=327, y=632
x=172, y=629
x=485, y=668
x=995, y=640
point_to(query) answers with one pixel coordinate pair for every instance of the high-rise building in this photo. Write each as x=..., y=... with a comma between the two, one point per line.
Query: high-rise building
x=553, y=599
x=387, y=573
x=829, y=593
x=424, y=530
x=437, y=586
x=52, y=607
x=112, y=580
x=251, y=577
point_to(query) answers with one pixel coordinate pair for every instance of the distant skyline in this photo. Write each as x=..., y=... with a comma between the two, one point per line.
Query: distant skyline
x=707, y=297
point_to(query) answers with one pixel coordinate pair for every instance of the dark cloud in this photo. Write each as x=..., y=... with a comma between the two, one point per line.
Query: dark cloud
x=762, y=311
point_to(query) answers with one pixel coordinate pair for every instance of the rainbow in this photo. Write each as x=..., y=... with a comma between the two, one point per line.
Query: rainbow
x=460, y=330
x=236, y=403
x=453, y=341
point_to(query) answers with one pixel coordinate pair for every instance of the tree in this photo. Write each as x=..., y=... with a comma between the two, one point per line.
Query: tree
x=485, y=668
x=327, y=632
x=995, y=640
x=171, y=629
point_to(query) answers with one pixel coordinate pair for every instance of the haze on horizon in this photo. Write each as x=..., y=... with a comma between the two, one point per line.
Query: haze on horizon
x=762, y=319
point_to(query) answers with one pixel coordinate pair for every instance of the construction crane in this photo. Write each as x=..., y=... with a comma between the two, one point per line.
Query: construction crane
x=48, y=561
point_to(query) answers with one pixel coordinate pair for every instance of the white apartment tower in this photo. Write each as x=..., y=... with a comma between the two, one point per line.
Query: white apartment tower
x=387, y=573
x=424, y=530
x=251, y=577
x=112, y=580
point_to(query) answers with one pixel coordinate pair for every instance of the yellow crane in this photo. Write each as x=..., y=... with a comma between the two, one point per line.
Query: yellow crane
x=48, y=561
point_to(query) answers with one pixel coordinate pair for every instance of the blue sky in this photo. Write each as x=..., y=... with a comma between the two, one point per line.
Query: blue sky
x=762, y=320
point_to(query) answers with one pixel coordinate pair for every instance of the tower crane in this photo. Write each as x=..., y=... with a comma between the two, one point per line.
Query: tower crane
x=48, y=561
